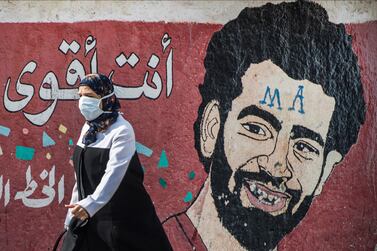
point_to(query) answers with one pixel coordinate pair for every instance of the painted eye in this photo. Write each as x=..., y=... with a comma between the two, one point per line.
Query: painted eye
x=256, y=131
x=253, y=128
x=305, y=150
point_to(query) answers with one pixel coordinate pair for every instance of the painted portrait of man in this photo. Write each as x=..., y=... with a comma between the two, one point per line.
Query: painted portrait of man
x=282, y=103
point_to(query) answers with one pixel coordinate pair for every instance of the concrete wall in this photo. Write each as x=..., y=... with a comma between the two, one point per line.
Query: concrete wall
x=284, y=156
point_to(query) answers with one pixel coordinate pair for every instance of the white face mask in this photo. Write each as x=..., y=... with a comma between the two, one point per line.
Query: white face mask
x=90, y=107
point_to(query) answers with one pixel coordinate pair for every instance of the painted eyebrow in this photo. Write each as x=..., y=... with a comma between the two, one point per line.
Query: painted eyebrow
x=254, y=110
x=303, y=132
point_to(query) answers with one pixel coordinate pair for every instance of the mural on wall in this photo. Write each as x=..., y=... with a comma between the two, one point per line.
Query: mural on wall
x=239, y=127
x=282, y=104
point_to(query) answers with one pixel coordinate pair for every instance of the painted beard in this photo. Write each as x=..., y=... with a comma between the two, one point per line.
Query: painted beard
x=254, y=228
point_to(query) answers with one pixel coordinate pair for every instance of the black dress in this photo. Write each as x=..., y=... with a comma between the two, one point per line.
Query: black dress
x=127, y=220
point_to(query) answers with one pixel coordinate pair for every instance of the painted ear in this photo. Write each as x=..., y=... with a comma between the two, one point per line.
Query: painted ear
x=333, y=158
x=209, y=128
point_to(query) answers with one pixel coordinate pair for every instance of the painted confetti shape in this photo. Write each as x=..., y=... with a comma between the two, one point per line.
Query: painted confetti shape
x=24, y=153
x=4, y=131
x=163, y=183
x=47, y=140
x=142, y=149
x=191, y=175
x=188, y=197
x=163, y=162
x=62, y=128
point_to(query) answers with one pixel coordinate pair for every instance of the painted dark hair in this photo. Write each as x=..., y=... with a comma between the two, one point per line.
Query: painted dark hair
x=298, y=38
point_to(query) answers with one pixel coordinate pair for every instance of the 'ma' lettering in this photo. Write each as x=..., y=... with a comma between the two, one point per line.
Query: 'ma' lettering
x=299, y=95
x=272, y=98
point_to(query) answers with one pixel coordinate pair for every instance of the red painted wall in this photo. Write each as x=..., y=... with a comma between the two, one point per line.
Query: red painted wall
x=342, y=218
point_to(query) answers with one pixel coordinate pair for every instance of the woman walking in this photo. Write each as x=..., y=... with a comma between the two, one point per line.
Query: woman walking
x=109, y=192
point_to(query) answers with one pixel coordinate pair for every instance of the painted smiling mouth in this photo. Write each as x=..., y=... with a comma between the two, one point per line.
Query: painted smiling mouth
x=266, y=199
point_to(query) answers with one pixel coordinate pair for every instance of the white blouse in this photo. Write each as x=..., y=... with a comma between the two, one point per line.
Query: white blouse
x=120, y=139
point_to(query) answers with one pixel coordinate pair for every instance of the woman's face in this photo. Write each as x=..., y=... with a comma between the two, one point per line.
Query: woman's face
x=87, y=91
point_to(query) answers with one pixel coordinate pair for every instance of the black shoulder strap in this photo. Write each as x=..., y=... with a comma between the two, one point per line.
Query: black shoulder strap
x=80, y=186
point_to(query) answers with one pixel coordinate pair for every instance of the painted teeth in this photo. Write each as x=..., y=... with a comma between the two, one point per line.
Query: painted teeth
x=271, y=197
x=262, y=196
x=252, y=187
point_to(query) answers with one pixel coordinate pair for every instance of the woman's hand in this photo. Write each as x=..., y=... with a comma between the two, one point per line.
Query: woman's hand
x=78, y=212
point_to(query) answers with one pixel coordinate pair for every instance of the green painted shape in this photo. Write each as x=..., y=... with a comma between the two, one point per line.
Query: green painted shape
x=191, y=175
x=24, y=153
x=163, y=162
x=70, y=142
x=188, y=197
x=163, y=183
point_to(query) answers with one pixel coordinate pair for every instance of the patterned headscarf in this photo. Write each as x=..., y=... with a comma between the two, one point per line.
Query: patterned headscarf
x=102, y=86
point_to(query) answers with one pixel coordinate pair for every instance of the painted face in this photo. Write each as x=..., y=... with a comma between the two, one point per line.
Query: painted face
x=276, y=132
x=269, y=155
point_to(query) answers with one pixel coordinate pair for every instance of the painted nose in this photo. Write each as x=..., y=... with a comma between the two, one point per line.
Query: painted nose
x=276, y=164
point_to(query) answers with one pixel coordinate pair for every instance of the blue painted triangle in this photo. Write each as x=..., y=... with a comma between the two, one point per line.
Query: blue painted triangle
x=47, y=140
x=163, y=163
